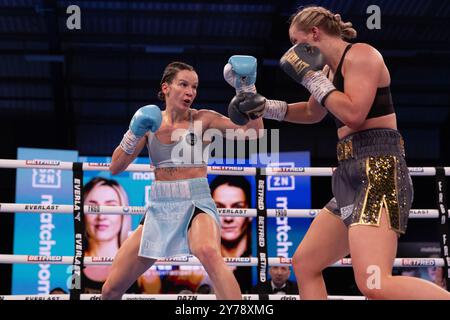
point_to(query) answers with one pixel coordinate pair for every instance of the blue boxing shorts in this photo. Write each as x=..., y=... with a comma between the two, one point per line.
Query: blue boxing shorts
x=169, y=214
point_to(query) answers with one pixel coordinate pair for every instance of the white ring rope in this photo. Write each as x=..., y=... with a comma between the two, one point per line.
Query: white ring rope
x=182, y=297
x=224, y=170
x=193, y=261
x=137, y=210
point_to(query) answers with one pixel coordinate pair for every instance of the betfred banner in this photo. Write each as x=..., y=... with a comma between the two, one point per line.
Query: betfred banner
x=287, y=192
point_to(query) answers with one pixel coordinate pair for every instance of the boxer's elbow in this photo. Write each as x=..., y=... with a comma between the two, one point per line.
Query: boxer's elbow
x=317, y=116
x=114, y=169
x=120, y=161
x=354, y=121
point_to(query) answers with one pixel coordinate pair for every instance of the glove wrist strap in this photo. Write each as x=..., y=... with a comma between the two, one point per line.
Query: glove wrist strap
x=129, y=142
x=318, y=85
x=275, y=110
x=246, y=88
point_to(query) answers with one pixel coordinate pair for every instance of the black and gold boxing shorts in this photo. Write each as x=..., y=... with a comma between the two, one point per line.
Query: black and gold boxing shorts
x=372, y=174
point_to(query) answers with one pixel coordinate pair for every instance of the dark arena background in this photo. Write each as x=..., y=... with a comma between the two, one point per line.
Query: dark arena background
x=77, y=88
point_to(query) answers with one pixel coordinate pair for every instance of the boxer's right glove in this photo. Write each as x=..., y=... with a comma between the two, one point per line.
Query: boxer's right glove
x=147, y=118
x=304, y=63
x=240, y=73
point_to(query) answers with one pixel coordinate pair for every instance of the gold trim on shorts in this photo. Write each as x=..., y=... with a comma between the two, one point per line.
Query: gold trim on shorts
x=344, y=150
x=381, y=191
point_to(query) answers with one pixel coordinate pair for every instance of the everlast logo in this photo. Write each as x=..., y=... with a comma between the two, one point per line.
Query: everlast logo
x=296, y=63
x=233, y=211
x=77, y=197
x=77, y=260
x=419, y=211
x=41, y=207
x=95, y=164
x=40, y=298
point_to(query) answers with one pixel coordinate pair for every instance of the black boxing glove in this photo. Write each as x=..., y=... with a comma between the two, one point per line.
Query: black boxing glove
x=304, y=63
x=245, y=106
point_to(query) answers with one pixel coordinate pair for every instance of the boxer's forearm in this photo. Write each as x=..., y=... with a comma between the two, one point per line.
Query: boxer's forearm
x=305, y=113
x=120, y=159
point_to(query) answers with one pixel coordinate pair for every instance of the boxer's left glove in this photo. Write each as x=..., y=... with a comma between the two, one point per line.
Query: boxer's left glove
x=147, y=118
x=240, y=73
x=250, y=106
x=304, y=63
x=245, y=106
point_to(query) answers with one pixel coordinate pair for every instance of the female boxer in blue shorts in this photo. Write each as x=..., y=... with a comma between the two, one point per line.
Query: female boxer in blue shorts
x=182, y=217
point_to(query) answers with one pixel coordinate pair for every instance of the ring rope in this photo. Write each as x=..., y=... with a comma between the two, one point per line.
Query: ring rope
x=139, y=210
x=193, y=261
x=220, y=170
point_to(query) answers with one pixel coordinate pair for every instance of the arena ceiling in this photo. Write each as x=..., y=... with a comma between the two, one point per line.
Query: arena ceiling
x=89, y=82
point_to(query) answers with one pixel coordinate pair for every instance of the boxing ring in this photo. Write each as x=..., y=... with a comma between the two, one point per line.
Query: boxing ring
x=441, y=216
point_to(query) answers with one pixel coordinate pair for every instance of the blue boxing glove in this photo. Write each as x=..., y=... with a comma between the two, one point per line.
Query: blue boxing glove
x=147, y=118
x=240, y=73
x=304, y=63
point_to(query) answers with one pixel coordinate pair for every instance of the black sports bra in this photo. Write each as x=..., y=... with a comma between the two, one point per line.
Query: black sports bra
x=382, y=104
